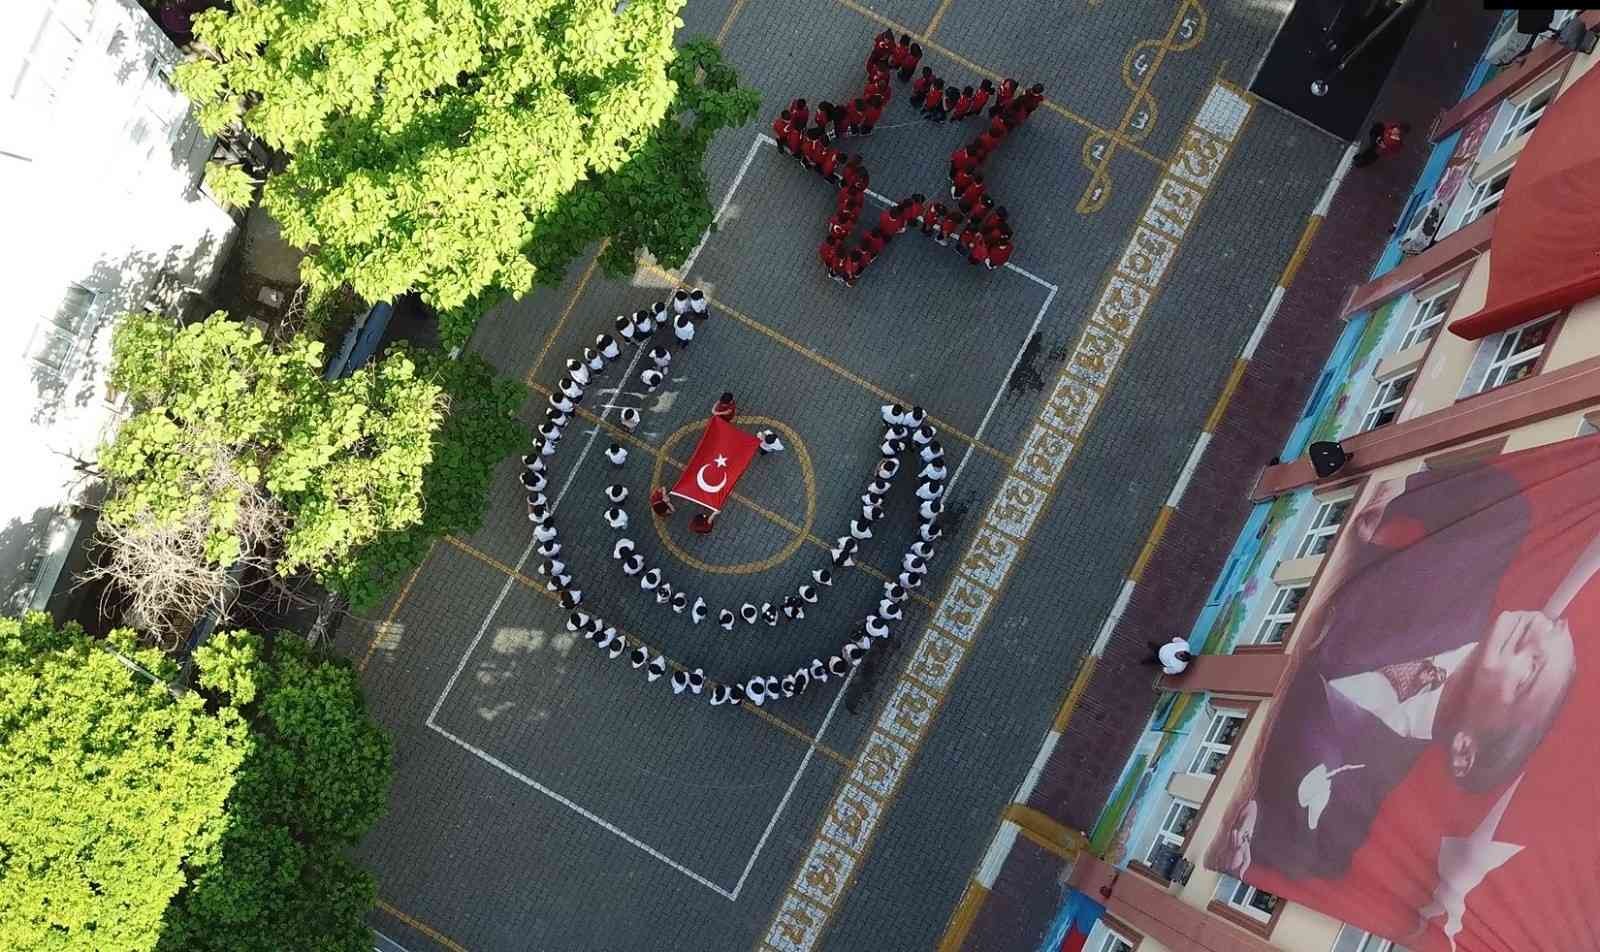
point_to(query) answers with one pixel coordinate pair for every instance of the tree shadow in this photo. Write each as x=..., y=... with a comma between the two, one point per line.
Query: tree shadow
x=23, y=542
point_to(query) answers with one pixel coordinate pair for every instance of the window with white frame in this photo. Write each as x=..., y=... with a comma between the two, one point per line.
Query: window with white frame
x=1102, y=938
x=1485, y=196
x=50, y=55
x=1351, y=939
x=1514, y=354
x=1174, y=829
x=1525, y=114
x=57, y=338
x=1253, y=902
x=1386, y=401
x=1216, y=742
x=1324, y=526
x=1429, y=315
x=1280, y=614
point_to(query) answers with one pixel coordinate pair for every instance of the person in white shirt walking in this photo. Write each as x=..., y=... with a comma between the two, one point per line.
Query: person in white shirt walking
x=1173, y=657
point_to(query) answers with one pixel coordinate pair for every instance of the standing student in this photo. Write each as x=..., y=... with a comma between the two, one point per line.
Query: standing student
x=919, y=89
x=780, y=130
x=725, y=408
x=660, y=502
x=683, y=329
x=963, y=105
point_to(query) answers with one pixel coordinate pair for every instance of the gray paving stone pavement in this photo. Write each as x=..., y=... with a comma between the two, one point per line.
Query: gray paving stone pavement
x=474, y=850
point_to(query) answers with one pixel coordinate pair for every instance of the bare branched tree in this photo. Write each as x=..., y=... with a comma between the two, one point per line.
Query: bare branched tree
x=161, y=571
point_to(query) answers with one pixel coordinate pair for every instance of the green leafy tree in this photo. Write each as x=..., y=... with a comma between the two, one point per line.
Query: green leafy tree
x=230, y=184
x=436, y=145
x=480, y=429
x=315, y=780
x=220, y=417
x=112, y=787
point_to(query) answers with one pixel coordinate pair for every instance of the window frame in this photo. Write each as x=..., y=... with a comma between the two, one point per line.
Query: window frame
x=1354, y=939
x=1107, y=938
x=58, y=327
x=1207, y=745
x=1278, y=614
x=1496, y=371
x=1243, y=907
x=1517, y=124
x=1385, y=399
x=1163, y=835
x=1319, y=529
x=1427, y=317
x=1478, y=200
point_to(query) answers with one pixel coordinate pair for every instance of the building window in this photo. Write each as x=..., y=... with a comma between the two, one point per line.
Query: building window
x=1216, y=742
x=1352, y=939
x=56, y=340
x=1173, y=831
x=1515, y=353
x=1429, y=317
x=1486, y=197
x=1280, y=616
x=1385, y=406
x=1525, y=115
x=1324, y=526
x=1256, y=903
x=1103, y=939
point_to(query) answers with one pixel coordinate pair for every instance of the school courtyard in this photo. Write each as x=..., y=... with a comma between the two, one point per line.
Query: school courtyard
x=546, y=798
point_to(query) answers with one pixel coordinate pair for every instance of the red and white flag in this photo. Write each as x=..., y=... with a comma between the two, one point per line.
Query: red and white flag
x=718, y=462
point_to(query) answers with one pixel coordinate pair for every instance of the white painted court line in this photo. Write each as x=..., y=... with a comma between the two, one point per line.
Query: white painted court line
x=382, y=943
x=505, y=589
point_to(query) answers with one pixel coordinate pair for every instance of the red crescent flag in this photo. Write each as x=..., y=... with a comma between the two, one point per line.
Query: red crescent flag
x=717, y=463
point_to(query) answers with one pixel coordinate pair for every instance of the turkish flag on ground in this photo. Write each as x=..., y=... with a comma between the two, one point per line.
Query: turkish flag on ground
x=717, y=463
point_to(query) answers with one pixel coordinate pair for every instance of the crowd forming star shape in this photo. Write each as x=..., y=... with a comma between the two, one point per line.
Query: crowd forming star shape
x=906, y=431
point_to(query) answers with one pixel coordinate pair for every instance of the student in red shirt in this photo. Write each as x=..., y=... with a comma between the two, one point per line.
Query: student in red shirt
x=963, y=159
x=855, y=174
x=780, y=130
x=882, y=49
x=972, y=196
x=951, y=224
x=1032, y=99
x=980, y=98
x=914, y=206
x=725, y=408
x=889, y=221
x=660, y=504
x=977, y=248
x=996, y=224
x=874, y=242
x=933, y=100
x=969, y=240
x=809, y=150
x=852, y=267
x=827, y=162
x=986, y=142
x=794, y=140
x=800, y=113
x=932, y=217
x=1008, y=91
x=909, y=61
x=871, y=112
x=963, y=104
x=999, y=254
x=963, y=181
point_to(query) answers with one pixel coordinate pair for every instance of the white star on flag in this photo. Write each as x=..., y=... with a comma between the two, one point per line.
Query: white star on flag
x=1464, y=862
x=721, y=461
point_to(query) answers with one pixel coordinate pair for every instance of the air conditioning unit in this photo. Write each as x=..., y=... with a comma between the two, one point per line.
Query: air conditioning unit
x=1508, y=47
x=1425, y=224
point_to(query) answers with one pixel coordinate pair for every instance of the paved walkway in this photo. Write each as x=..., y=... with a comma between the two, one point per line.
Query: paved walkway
x=1116, y=704
x=547, y=799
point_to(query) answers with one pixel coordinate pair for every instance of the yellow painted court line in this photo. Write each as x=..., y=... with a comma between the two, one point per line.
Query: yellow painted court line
x=944, y=426
x=727, y=22
x=1047, y=831
x=1292, y=269
x=572, y=302
x=541, y=588
x=1050, y=104
x=1232, y=384
x=1069, y=704
x=388, y=622
x=1150, y=543
x=773, y=517
x=955, y=934
x=933, y=24
x=422, y=927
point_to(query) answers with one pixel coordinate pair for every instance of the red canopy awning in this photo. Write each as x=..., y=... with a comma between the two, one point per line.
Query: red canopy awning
x=1546, y=246
x=717, y=463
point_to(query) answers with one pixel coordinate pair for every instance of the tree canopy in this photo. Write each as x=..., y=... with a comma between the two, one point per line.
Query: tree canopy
x=111, y=786
x=219, y=412
x=440, y=145
x=139, y=817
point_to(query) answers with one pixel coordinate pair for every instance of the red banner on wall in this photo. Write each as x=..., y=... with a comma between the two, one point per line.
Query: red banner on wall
x=1428, y=773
